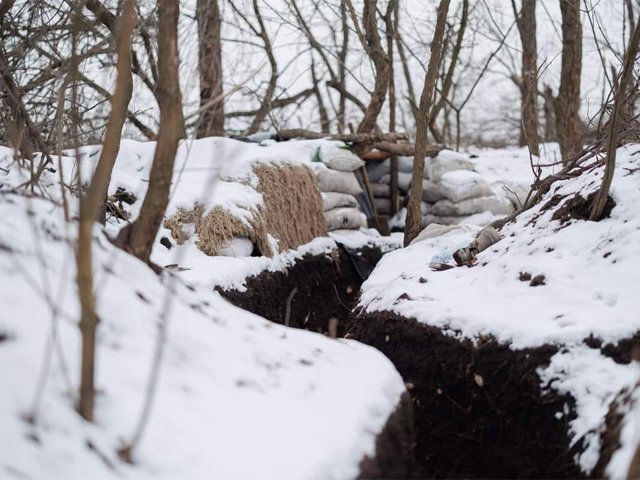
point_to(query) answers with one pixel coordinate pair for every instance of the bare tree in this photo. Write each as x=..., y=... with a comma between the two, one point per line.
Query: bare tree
x=90, y=206
x=211, y=121
x=372, y=45
x=526, y=22
x=448, y=79
x=412, y=227
x=138, y=237
x=614, y=124
x=567, y=104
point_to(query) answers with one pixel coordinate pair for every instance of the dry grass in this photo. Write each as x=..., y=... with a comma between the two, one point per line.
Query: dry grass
x=292, y=213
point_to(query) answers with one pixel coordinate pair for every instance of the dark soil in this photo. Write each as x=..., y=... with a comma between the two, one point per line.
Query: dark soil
x=394, y=446
x=325, y=286
x=479, y=410
x=579, y=208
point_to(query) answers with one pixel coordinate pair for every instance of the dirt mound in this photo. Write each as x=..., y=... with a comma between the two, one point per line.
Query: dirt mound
x=315, y=289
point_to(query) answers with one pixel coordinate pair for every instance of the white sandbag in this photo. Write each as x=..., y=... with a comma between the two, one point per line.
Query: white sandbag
x=335, y=181
x=380, y=190
x=493, y=203
x=349, y=218
x=434, y=230
x=348, y=162
x=516, y=192
x=425, y=208
x=431, y=192
x=238, y=247
x=479, y=219
x=446, y=161
x=405, y=164
x=383, y=206
x=336, y=156
x=404, y=180
x=376, y=170
x=333, y=200
x=462, y=184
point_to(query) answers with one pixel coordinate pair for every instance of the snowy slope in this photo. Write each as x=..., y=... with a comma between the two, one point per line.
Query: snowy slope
x=238, y=397
x=591, y=275
x=591, y=271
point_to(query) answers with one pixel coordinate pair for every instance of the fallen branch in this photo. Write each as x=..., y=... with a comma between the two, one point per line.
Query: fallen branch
x=347, y=137
x=406, y=149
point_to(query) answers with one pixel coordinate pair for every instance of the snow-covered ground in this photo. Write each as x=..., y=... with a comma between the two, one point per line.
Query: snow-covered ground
x=237, y=396
x=589, y=272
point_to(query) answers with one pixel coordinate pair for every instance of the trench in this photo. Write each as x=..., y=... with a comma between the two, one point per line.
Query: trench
x=473, y=411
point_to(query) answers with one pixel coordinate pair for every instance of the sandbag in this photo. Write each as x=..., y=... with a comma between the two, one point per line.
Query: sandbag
x=434, y=230
x=335, y=181
x=405, y=164
x=347, y=218
x=480, y=219
x=462, y=184
x=380, y=190
x=494, y=203
x=333, y=200
x=404, y=180
x=446, y=161
x=376, y=170
x=348, y=162
x=431, y=192
x=383, y=206
x=238, y=247
x=516, y=192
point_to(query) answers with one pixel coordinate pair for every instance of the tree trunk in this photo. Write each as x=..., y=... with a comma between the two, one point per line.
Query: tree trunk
x=381, y=63
x=392, y=7
x=211, y=121
x=616, y=116
x=448, y=79
x=550, y=134
x=567, y=104
x=342, y=69
x=412, y=227
x=138, y=238
x=529, y=87
x=91, y=204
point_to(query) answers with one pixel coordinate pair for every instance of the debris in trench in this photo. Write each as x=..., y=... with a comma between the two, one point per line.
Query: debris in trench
x=537, y=281
x=525, y=277
x=485, y=238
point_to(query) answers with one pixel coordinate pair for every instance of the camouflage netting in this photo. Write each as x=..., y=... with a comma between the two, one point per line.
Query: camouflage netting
x=292, y=214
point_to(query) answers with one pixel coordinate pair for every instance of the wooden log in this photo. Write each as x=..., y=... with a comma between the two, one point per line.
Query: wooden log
x=406, y=149
x=346, y=137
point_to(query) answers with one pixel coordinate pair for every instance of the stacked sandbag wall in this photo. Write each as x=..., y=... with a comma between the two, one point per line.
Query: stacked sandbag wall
x=339, y=187
x=452, y=192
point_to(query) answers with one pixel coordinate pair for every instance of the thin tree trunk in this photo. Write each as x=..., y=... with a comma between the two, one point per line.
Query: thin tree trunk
x=550, y=134
x=412, y=227
x=612, y=141
x=373, y=47
x=526, y=22
x=138, y=238
x=342, y=68
x=325, y=124
x=567, y=104
x=90, y=207
x=448, y=79
x=211, y=121
x=389, y=22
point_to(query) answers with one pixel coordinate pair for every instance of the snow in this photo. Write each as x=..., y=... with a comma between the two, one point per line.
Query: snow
x=591, y=271
x=238, y=397
x=591, y=289
x=594, y=381
x=629, y=437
